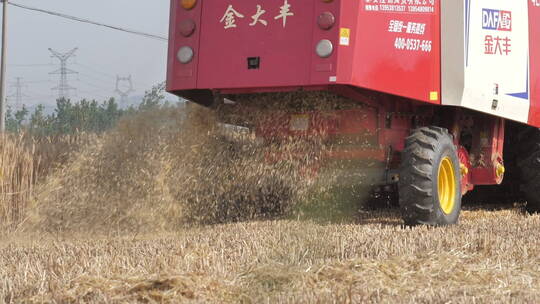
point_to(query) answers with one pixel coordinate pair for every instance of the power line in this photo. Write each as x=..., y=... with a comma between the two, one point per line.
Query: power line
x=98, y=79
x=83, y=20
x=95, y=94
x=94, y=70
x=108, y=75
x=39, y=81
x=30, y=65
x=39, y=94
x=95, y=86
x=42, y=97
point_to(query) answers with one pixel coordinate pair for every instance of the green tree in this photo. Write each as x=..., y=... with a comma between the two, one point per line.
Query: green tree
x=40, y=124
x=154, y=98
x=84, y=115
x=15, y=121
x=11, y=123
x=62, y=119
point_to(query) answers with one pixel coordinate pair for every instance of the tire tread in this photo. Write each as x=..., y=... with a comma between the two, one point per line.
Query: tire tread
x=416, y=195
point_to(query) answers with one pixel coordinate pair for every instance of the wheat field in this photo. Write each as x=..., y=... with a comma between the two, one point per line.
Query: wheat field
x=149, y=214
x=491, y=257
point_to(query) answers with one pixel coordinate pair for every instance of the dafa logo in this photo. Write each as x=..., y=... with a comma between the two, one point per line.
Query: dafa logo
x=497, y=20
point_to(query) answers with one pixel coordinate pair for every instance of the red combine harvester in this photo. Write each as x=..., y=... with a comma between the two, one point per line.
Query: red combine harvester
x=443, y=87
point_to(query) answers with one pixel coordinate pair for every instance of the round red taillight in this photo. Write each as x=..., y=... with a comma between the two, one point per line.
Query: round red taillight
x=326, y=20
x=187, y=27
x=188, y=4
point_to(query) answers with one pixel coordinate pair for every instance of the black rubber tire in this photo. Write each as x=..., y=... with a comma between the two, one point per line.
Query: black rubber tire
x=529, y=167
x=419, y=173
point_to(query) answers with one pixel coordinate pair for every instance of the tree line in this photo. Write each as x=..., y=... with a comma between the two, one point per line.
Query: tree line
x=85, y=115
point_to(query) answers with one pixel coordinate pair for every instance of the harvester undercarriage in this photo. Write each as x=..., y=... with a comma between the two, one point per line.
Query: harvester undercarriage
x=429, y=157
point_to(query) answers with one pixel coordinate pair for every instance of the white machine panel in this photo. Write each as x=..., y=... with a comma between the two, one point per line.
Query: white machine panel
x=485, y=56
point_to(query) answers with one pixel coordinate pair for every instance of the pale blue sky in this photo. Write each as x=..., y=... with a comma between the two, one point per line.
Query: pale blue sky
x=103, y=53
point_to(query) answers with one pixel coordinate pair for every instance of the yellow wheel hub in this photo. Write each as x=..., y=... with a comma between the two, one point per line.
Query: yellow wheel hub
x=447, y=185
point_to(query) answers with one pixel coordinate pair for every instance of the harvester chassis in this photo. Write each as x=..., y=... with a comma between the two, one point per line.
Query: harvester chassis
x=411, y=141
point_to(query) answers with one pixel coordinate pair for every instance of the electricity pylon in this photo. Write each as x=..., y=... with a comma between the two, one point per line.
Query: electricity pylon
x=63, y=87
x=124, y=93
x=18, y=95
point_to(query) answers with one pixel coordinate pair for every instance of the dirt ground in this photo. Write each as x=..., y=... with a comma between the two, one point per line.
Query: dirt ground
x=492, y=256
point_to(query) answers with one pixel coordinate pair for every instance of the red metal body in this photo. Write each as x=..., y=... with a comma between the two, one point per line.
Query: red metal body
x=391, y=50
x=182, y=76
x=534, y=28
x=286, y=52
x=386, y=57
x=385, y=68
x=487, y=151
